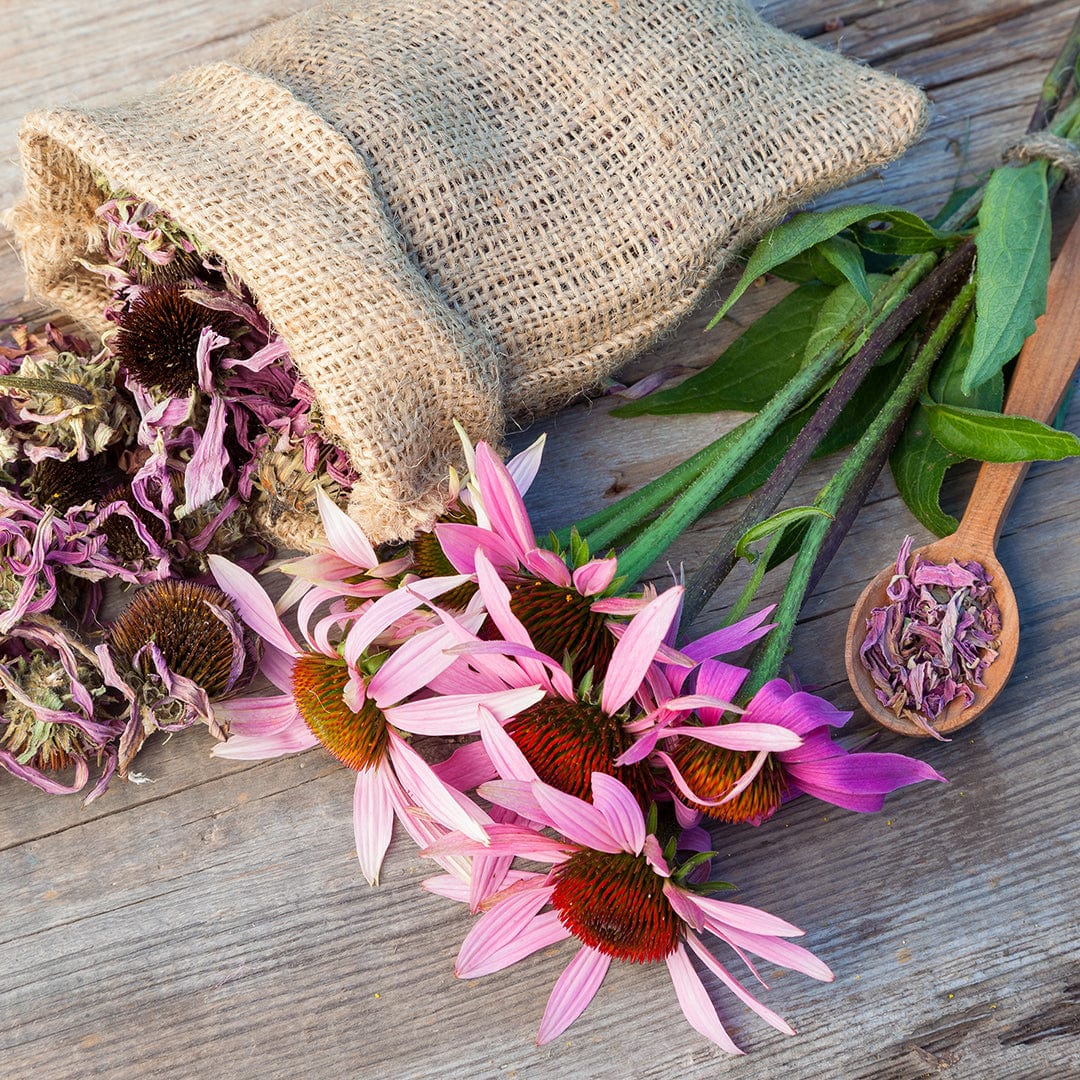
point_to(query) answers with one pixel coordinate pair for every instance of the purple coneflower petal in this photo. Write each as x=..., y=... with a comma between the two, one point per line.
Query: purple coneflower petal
x=460, y=544
x=636, y=650
x=503, y=753
x=290, y=740
x=204, y=476
x=695, y=1003
x=502, y=502
x=730, y=638
x=458, y=714
x=745, y=918
x=777, y=950
x=524, y=466
x=737, y=987
x=573, y=991
x=720, y=680
x=467, y=767
x=258, y=716
x=254, y=606
x=498, y=937
x=429, y=791
x=744, y=735
x=576, y=819
x=595, y=576
x=373, y=821
x=547, y=566
x=346, y=538
x=620, y=810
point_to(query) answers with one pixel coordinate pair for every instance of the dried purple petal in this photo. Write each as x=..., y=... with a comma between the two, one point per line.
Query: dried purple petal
x=934, y=640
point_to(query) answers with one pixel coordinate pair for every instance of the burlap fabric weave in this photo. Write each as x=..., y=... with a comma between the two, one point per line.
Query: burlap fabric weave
x=470, y=210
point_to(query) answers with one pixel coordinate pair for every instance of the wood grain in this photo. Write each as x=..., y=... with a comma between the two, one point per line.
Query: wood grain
x=213, y=923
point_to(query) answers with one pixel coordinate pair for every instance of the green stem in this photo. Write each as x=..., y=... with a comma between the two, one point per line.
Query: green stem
x=695, y=499
x=1058, y=80
x=768, y=659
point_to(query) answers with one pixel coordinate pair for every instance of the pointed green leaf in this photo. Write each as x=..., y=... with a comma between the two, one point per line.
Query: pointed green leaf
x=772, y=524
x=751, y=369
x=899, y=232
x=1012, y=267
x=919, y=462
x=792, y=238
x=836, y=312
x=989, y=436
x=846, y=257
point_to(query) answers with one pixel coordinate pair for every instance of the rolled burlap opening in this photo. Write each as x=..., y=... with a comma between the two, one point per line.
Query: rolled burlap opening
x=468, y=211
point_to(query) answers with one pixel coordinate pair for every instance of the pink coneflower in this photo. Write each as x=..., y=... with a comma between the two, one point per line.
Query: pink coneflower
x=736, y=785
x=613, y=888
x=356, y=699
x=564, y=610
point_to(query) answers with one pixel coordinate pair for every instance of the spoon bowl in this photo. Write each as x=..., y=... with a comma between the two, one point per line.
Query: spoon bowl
x=955, y=715
x=1042, y=374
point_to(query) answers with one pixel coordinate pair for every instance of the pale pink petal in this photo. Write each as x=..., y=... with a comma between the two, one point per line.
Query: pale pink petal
x=291, y=740
x=576, y=819
x=523, y=467
x=386, y=611
x=278, y=666
x=458, y=714
x=743, y=917
x=252, y=603
x=683, y=905
x=411, y=666
x=502, y=501
x=737, y=987
x=429, y=791
x=595, y=576
x=621, y=811
x=654, y=856
x=744, y=735
x=344, y=535
x=460, y=543
x=257, y=715
x=636, y=650
x=619, y=605
x=500, y=839
x=423, y=830
x=496, y=931
x=373, y=821
x=516, y=795
x=543, y=931
x=737, y=789
x=504, y=754
x=573, y=991
x=696, y=1006
x=777, y=950
x=204, y=476
x=453, y=888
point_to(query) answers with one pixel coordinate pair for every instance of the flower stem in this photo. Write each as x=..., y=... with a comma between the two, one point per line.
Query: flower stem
x=768, y=658
x=707, y=485
x=941, y=282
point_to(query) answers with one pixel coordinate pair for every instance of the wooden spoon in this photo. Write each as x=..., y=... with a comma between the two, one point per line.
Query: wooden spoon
x=1042, y=374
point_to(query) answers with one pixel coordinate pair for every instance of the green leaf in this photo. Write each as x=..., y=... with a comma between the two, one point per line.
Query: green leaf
x=1012, y=268
x=795, y=236
x=899, y=232
x=918, y=461
x=846, y=257
x=989, y=436
x=836, y=312
x=751, y=369
x=770, y=525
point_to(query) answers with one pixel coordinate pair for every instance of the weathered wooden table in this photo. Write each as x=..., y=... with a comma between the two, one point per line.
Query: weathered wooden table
x=214, y=924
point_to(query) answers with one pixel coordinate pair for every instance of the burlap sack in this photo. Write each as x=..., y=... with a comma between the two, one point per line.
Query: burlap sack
x=475, y=209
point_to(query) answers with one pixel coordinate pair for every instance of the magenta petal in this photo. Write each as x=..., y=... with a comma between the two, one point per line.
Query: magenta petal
x=460, y=543
x=373, y=821
x=547, y=566
x=744, y=735
x=720, y=680
x=467, y=767
x=636, y=650
x=496, y=930
x=861, y=774
x=576, y=819
x=694, y=999
x=730, y=638
x=777, y=703
x=573, y=991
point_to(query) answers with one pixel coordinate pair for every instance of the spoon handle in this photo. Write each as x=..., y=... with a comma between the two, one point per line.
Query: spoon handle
x=1043, y=371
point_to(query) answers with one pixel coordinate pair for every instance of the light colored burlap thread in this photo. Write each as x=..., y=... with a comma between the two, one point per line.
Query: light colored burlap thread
x=1062, y=153
x=470, y=209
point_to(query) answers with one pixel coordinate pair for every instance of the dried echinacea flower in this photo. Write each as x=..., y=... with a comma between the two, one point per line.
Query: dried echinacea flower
x=63, y=483
x=934, y=640
x=177, y=646
x=65, y=404
x=157, y=341
x=58, y=714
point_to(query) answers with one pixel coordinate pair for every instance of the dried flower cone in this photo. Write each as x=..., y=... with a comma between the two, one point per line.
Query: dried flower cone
x=470, y=211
